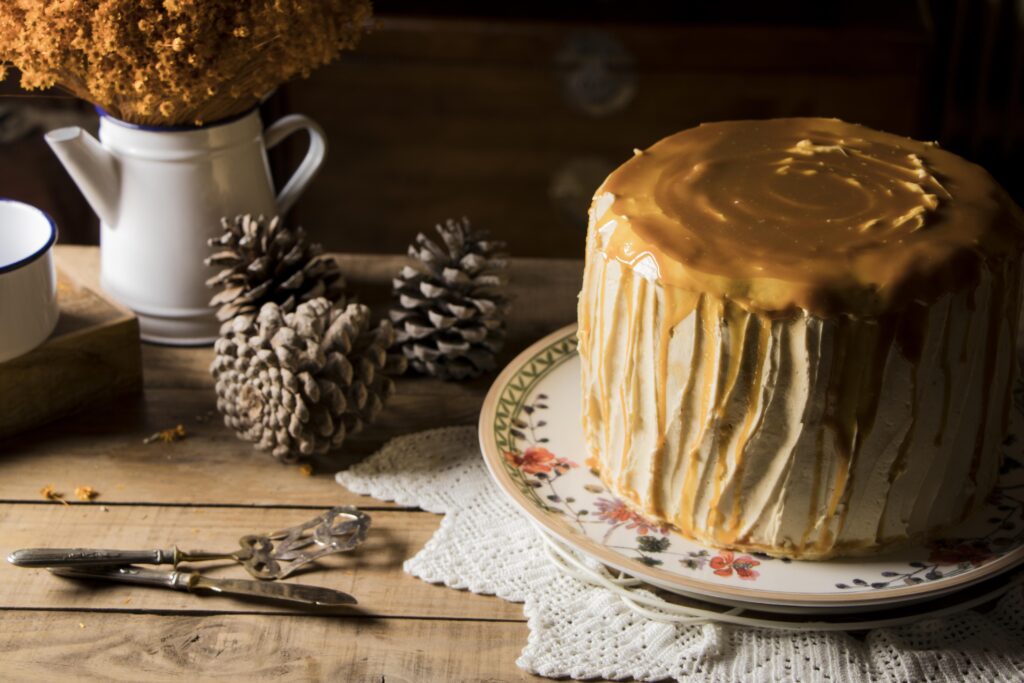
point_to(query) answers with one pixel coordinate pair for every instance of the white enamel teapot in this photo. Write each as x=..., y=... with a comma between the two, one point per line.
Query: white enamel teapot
x=160, y=193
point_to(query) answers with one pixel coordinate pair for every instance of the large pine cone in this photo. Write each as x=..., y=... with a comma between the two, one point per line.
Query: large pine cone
x=298, y=383
x=265, y=262
x=450, y=317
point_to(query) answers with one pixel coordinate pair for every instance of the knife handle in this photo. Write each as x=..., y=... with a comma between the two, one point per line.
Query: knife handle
x=68, y=557
x=137, y=575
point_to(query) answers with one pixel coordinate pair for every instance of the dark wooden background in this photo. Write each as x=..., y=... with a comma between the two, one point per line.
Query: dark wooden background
x=513, y=115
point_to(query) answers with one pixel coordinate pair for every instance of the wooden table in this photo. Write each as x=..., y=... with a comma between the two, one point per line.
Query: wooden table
x=211, y=488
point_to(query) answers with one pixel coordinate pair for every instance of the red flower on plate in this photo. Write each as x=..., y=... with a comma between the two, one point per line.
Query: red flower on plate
x=533, y=460
x=613, y=511
x=725, y=563
x=563, y=465
x=616, y=512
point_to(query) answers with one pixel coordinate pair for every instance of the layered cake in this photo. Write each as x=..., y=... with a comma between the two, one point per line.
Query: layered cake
x=797, y=335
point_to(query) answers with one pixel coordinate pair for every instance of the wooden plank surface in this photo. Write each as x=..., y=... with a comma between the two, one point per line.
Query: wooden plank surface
x=210, y=488
x=103, y=447
x=543, y=291
x=372, y=573
x=49, y=646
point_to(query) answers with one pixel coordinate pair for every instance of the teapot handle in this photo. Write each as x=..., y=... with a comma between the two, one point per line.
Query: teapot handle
x=277, y=132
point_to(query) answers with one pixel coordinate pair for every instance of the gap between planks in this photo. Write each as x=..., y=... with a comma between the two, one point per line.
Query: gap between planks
x=127, y=647
x=376, y=506
x=373, y=573
x=302, y=614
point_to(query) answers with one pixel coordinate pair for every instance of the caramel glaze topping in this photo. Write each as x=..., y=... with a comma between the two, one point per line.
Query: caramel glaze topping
x=805, y=213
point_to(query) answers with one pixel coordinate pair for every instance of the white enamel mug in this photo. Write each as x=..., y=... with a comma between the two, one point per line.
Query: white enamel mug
x=28, y=280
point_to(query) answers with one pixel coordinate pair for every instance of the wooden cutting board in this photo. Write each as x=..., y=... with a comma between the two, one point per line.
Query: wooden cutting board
x=93, y=355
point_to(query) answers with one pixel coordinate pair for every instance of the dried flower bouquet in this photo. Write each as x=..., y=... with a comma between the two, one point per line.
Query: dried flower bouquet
x=174, y=62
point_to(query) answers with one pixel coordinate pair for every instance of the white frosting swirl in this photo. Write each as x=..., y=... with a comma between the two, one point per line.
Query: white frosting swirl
x=797, y=436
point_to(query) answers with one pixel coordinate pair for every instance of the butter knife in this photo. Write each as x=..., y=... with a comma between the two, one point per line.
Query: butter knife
x=194, y=582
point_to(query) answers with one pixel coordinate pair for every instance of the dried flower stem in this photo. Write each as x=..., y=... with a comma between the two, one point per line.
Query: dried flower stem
x=167, y=435
x=49, y=493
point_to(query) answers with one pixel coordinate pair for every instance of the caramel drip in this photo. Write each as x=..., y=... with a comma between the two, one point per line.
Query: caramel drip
x=584, y=342
x=627, y=385
x=1001, y=307
x=947, y=380
x=678, y=305
x=709, y=311
x=844, y=421
x=691, y=380
x=877, y=340
x=839, y=401
x=600, y=352
x=734, y=321
x=908, y=333
x=661, y=375
x=847, y=433
x=882, y=335
x=853, y=399
x=755, y=413
x=836, y=418
x=815, y=497
x=806, y=213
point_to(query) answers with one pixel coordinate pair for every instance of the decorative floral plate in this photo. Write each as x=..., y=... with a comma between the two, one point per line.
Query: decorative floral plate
x=533, y=444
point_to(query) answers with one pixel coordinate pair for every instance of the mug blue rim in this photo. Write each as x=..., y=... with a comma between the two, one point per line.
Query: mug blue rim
x=21, y=263
x=103, y=113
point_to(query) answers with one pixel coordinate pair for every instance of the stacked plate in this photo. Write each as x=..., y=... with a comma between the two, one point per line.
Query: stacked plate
x=533, y=444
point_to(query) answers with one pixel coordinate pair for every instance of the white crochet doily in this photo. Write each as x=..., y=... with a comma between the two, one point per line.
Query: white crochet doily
x=576, y=629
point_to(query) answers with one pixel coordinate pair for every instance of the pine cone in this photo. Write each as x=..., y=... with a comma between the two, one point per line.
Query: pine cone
x=450, y=317
x=266, y=262
x=298, y=383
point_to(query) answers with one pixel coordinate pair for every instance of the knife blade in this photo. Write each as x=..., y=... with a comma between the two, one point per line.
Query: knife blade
x=194, y=582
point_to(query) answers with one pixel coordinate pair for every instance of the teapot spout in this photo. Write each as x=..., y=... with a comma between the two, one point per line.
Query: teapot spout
x=92, y=167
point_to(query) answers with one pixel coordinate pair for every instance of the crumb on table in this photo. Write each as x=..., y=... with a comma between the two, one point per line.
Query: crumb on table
x=167, y=435
x=86, y=493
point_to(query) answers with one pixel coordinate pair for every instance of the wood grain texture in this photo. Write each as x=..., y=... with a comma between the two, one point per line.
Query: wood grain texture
x=543, y=296
x=432, y=119
x=91, y=356
x=103, y=447
x=372, y=573
x=209, y=489
x=48, y=646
